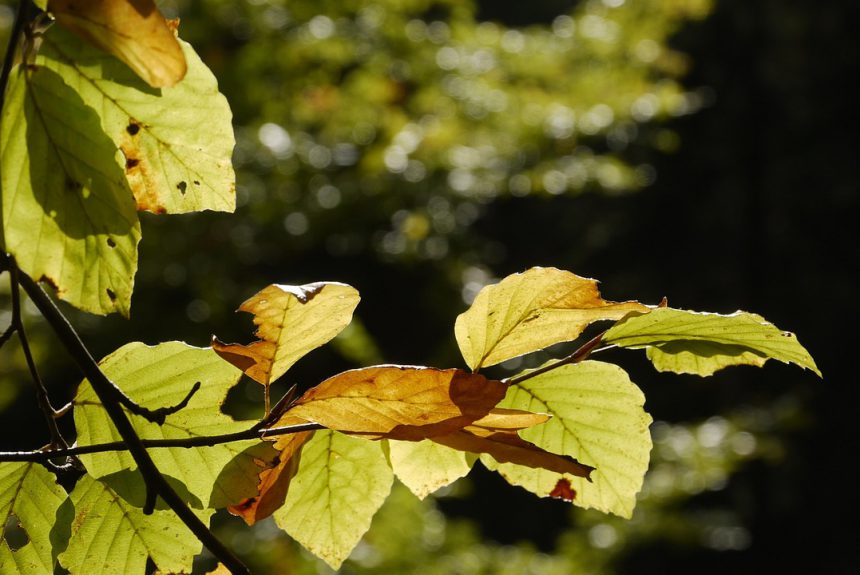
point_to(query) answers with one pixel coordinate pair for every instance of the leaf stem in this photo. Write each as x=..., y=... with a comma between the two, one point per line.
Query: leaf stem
x=111, y=398
x=581, y=354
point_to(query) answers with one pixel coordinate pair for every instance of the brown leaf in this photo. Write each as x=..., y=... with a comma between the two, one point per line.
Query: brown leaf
x=563, y=490
x=274, y=481
x=508, y=447
x=398, y=402
x=132, y=30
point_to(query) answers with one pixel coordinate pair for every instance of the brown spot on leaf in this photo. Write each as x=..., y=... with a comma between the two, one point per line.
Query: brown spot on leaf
x=563, y=490
x=111, y=243
x=131, y=163
x=196, y=183
x=49, y=281
x=111, y=294
x=182, y=186
x=133, y=128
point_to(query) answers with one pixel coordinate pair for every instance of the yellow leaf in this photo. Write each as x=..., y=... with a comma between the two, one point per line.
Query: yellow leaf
x=500, y=418
x=291, y=321
x=132, y=30
x=508, y=447
x=529, y=311
x=399, y=402
x=275, y=481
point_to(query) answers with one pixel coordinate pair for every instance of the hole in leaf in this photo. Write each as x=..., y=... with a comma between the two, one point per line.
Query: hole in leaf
x=111, y=243
x=130, y=163
x=15, y=535
x=133, y=128
x=181, y=186
x=111, y=294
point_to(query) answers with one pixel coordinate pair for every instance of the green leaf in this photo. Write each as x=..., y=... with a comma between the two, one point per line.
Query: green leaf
x=110, y=535
x=529, y=311
x=598, y=419
x=291, y=321
x=341, y=483
x=702, y=343
x=425, y=466
x=162, y=376
x=177, y=141
x=30, y=493
x=68, y=213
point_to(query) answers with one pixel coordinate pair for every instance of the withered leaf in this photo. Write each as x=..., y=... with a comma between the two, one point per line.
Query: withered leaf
x=291, y=321
x=563, y=490
x=507, y=447
x=529, y=311
x=274, y=481
x=132, y=30
x=399, y=402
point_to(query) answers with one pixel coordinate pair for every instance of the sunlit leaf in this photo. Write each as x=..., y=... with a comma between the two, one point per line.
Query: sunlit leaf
x=30, y=495
x=68, y=213
x=132, y=30
x=425, y=466
x=598, y=419
x=110, y=535
x=274, y=482
x=291, y=321
x=161, y=376
x=177, y=142
x=507, y=447
x=529, y=311
x=399, y=402
x=702, y=343
x=341, y=483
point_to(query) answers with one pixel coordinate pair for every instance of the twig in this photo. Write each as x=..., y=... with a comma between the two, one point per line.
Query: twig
x=581, y=354
x=109, y=394
x=279, y=409
x=43, y=455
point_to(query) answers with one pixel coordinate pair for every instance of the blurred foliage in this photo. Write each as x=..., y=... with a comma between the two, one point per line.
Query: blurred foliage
x=418, y=149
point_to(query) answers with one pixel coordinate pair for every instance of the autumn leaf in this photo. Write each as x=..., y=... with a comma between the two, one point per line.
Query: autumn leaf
x=598, y=418
x=683, y=341
x=506, y=446
x=132, y=30
x=291, y=321
x=529, y=311
x=274, y=482
x=399, y=402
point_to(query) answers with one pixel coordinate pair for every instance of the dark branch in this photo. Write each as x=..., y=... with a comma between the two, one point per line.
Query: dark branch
x=581, y=354
x=156, y=415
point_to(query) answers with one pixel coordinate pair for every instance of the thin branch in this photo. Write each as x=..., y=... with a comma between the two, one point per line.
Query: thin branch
x=109, y=394
x=581, y=354
x=45, y=455
x=283, y=404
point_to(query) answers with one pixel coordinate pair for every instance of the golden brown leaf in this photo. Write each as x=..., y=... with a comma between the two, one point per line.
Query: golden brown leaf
x=274, y=481
x=132, y=30
x=398, y=402
x=508, y=447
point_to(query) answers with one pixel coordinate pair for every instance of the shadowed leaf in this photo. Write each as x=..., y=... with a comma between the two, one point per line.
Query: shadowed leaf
x=529, y=311
x=341, y=482
x=399, y=402
x=132, y=30
x=598, y=419
x=274, y=482
x=702, y=343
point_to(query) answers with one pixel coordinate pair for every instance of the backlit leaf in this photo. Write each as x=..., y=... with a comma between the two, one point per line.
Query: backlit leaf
x=399, y=402
x=702, y=343
x=291, y=321
x=425, y=466
x=274, y=482
x=132, y=30
x=30, y=495
x=161, y=376
x=598, y=419
x=505, y=446
x=529, y=311
x=177, y=142
x=342, y=481
x=110, y=535
x=68, y=214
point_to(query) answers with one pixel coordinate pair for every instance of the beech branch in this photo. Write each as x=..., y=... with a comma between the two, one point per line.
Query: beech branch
x=581, y=354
